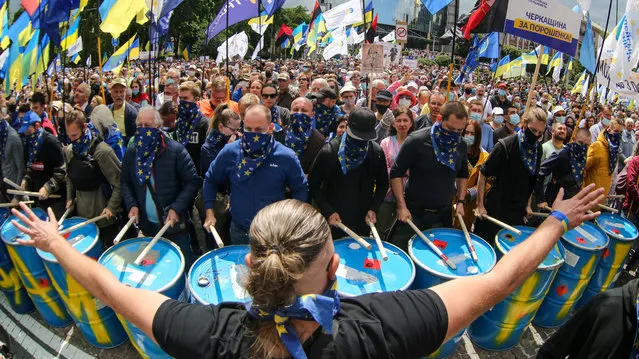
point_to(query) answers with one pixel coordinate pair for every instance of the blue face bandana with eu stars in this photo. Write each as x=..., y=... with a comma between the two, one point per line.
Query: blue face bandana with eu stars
x=445, y=145
x=147, y=142
x=34, y=142
x=4, y=134
x=299, y=133
x=325, y=117
x=189, y=117
x=351, y=152
x=528, y=153
x=313, y=307
x=614, y=141
x=577, y=160
x=255, y=148
x=80, y=147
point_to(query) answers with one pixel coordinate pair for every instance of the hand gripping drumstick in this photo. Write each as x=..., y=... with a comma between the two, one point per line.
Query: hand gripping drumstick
x=216, y=235
x=471, y=247
x=7, y=205
x=122, y=232
x=148, y=247
x=354, y=235
x=30, y=194
x=66, y=213
x=431, y=245
x=80, y=225
x=503, y=225
x=378, y=240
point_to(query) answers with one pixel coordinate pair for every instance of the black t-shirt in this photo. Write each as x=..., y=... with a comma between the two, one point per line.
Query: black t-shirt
x=603, y=328
x=403, y=324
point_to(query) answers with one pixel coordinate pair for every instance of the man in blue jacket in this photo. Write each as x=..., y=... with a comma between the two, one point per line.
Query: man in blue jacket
x=258, y=170
x=159, y=182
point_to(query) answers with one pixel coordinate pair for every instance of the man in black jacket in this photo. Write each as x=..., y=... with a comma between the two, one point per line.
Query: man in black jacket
x=348, y=180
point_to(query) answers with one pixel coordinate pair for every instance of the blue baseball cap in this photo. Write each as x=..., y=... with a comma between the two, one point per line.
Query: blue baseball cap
x=28, y=119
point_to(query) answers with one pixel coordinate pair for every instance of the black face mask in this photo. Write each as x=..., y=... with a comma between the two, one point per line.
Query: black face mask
x=531, y=138
x=381, y=108
x=468, y=91
x=269, y=73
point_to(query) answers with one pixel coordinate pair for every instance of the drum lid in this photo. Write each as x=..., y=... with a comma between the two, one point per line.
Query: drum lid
x=10, y=234
x=617, y=227
x=364, y=271
x=507, y=240
x=453, y=244
x=82, y=239
x=162, y=267
x=218, y=276
x=586, y=236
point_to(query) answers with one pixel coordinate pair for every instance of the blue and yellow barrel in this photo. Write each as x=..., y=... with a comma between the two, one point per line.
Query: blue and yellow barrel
x=583, y=246
x=10, y=283
x=218, y=276
x=363, y=271
x=162, y=271
x=432, y=270
x=622, y=233
x=97, y=322
x=503, y=325
x=34, y=275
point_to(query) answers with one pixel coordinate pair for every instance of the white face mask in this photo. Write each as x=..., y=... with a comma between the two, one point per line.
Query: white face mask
x=404, y=102
x=349, y=101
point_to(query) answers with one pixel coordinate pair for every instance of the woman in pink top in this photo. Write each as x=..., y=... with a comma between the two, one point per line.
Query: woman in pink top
x=403, y=125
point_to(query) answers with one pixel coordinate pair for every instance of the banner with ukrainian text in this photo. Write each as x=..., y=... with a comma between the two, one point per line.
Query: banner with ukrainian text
x=545, y=22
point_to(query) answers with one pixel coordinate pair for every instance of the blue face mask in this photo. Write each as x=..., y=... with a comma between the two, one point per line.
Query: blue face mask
x=475, y=117
x=605, y=121
x=451, y=96
x=499, y=120
x=502, y=92
x=135, y=92
x=469, y=139
x=560, y=119
x=515, y=119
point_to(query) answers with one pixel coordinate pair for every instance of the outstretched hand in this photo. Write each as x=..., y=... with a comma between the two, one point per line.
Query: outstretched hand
x=42, y=233
x=577, y=207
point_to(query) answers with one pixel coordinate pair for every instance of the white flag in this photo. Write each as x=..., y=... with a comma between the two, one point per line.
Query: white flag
x=258, y=48
x=260, y=30
x=344, y=14
x=584, y=89
x=556, y=72
x=4, y=57
x=240, y=44
x=584, y=5
x=390, y=37
x=357, y=37
x=337, y=47
x=88, y=61
x=76, y=47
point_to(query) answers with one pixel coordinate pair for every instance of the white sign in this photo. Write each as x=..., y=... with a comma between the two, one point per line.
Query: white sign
x=628, y=87
x=401, y=31
x=546, y=22
x=412, y=64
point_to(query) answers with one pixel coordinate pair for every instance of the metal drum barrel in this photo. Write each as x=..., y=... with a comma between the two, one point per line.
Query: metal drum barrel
x=583, y=246
x=503, y=325
x=33, y=274
x=218, y=276
x=622, y=234
x=97, y=322
x=10, y=283
x=363, y=271
x=432, y=270
x=162, y=271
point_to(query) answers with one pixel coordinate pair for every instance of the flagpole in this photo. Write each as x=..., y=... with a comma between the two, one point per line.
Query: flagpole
x=452, y=52
x=101, y=74
x=533, y=83
x=544, y=77
x=227, y=43
x=365, y=29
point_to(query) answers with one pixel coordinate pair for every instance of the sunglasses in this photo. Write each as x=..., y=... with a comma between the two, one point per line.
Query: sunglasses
x=269, y=95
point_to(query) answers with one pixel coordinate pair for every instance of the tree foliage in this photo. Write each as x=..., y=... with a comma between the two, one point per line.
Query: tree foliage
x=510, y=50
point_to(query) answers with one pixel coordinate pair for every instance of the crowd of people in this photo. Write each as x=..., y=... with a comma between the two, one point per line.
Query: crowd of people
x=204, y=146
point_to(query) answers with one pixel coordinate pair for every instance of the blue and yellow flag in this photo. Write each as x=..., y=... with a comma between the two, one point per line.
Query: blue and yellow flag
x=43, y=56
x=76, y=58
x=116, y=15
x=71, y=36
x=134, y=50
x=556, y=61
x=20, y=31
x=546, y=56
x=503, y=66
x=13, y=74
x=115, y=62
x=368, y=14
x=580, y=83
x=30, y=57
x=4, y=25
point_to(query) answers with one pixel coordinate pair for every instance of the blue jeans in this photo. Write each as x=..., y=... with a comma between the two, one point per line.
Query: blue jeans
x=238, y=234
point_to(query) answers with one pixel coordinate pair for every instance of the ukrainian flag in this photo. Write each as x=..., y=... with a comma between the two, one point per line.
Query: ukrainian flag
x=76, y=58
x=30, y=57
x=503, y=66
x=368, y=14
x=43, y=56
x=298, y=32
x=116, y=15
x=556, y=61
x=4, y=25
x=315, y=35
x=546, y=56
x=529, y=58
x=14, y=68
x=134, y=50
x=20, y=31
x=514, y=68
x=71, y=35
x=263, y=19
x=580, y=83
x=115, y=62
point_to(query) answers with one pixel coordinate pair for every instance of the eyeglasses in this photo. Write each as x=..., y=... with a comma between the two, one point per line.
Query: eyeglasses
x=303, y=79
x=234, y=130
x=269, y=95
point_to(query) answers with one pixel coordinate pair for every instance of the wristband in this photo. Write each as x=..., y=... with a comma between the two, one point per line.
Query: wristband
x=561, y=218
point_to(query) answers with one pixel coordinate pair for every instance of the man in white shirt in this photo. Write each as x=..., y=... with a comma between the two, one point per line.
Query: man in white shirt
x=480, y=94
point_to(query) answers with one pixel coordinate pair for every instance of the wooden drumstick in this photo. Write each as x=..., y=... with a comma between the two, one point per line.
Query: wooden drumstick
x=469, y=241
x=12, y=184
x=216, y=236
x=503, y=225
x=9, y=205
x=431, y=245
x=540, y=214
x=617, y=196
x=30, y=194
x=378, y=240
x=606, y=208
x=66, y=213
x=80, y=225
x=354, y=235
x=124, y=229
x=148, y=247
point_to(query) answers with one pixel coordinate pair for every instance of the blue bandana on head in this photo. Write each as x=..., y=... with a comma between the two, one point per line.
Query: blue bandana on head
x=326, y=117
x=528, y=153
x=80, y=147
x=147, y=142
x=299, y=133
x=4, y=134
x=445, y=145
x=319, y=308
x=614, y=142
x=577, y=160
x=351, y=152
x=34, y=142
x=275, y=115
x=189, y=117
x=114, y=139
x=255, y=148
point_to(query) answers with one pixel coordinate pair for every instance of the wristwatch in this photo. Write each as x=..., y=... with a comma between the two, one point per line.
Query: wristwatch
x=462, y=201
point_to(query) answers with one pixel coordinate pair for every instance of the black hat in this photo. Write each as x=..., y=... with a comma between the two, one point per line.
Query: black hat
x=384, y=95
x=324, y=93
x=361, y=124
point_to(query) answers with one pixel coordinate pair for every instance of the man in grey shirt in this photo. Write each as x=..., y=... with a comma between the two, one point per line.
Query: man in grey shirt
x=12, y=155
x=628, y=140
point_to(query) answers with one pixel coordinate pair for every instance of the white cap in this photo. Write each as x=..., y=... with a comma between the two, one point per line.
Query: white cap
x=347, y=88
x=412, y=84
x=498, y=111
x=557, y=109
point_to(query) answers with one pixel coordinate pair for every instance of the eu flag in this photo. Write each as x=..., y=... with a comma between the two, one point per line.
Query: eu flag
x=434, y=6
x=489, y=46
